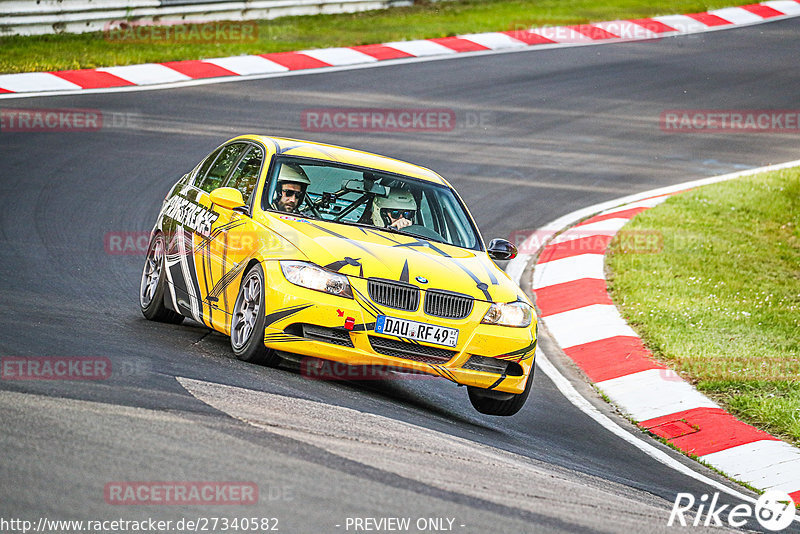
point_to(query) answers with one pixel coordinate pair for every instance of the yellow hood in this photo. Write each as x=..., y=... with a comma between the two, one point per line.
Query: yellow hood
x=367, y=252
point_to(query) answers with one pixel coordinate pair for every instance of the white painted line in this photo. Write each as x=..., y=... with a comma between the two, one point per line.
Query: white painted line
x=244, y=65
x=572, y=395
x=146, y=74
x=653, y=393
x=778, y=474
x=421, y=48
x=647, y=203
x=494, y=40
x=587, y=324
x=562, y=34
x=516, y=268
x=568, y=270
x=626, y=29
x=764, y=464
x=736, y=15
x=35, y=81
x=339, y=56
x=682, y=23
x=787, y=7
x=606, y=227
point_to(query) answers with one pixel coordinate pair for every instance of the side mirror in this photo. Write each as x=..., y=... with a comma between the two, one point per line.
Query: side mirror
x=228, y=198
x=500, y=249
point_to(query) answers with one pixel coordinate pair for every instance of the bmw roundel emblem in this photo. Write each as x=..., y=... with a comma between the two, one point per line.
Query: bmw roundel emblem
x=422, y=280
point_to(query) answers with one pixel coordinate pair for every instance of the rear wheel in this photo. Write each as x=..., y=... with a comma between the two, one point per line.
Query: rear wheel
x=247, y=323
x=153, y=284
x=498, y=403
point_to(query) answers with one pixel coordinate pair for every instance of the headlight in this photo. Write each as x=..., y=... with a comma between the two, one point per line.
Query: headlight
x=314, y=277
x=516, y=314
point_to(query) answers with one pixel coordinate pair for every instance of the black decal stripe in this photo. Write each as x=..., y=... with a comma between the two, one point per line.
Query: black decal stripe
x=472, y=275
x=499, y=380
x=448, y=373
x=337, y=266
x=180, y=283
x=522, y=351
x=492, y=277
x=224, y=228
x=423, y=244
x=282, y=314
x=282, y=338
x=382, y=235
x=224, y=274
x=228, y=278
x=404, y=274
x=367, y=305
x=192, y=268
x=475, y=278
x=205, y=254
x=181, y=295
x=344, y=238
x=441, y=371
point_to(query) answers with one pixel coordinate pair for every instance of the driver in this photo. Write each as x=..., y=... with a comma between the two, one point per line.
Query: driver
x=291, y=188
x=396, y=210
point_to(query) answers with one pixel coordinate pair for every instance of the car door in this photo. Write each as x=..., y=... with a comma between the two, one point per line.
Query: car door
x=187, y=223
x=233, y=240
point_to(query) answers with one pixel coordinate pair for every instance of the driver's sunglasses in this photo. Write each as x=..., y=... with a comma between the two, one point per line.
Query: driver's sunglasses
x=406, y=214
x=289, y=193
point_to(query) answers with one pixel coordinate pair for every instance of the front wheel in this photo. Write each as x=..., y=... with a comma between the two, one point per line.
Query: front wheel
x=247, y=323
x=153, y=284
x=499, y=403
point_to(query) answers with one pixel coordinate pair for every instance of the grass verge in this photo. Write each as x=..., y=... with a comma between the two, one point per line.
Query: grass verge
x=423, y=20
x=719, y=300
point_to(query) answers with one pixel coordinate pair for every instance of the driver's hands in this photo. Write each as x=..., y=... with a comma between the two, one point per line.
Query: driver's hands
x=400, y=223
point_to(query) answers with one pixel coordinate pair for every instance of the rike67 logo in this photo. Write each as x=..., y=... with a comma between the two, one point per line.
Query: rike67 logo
x=774, y=510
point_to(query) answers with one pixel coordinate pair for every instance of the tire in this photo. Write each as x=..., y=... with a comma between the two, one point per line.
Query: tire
x=498, y=403
x=153, y=285
x=247, y=322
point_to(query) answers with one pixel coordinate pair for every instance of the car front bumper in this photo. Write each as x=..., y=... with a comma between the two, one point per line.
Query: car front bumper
x=318, y=325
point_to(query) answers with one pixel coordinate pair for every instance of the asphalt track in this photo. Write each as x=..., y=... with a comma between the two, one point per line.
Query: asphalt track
x=559, y=129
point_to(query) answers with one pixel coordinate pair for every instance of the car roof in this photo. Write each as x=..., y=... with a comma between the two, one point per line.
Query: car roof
x=338, y=154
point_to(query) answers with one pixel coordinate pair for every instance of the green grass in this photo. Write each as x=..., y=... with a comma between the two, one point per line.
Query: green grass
x=720, y=301
x=424, y=20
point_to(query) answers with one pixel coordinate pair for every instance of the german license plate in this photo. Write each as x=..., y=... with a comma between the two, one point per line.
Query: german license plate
x=429, y=333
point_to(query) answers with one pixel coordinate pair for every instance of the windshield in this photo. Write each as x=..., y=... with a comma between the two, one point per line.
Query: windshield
x=357, y=196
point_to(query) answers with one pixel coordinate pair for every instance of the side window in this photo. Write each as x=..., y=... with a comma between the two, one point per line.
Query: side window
x=221, y=166
x=245, y=175
x=203, y=167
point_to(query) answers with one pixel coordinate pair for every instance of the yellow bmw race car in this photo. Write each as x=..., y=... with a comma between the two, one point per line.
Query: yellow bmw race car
x=299, y=248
